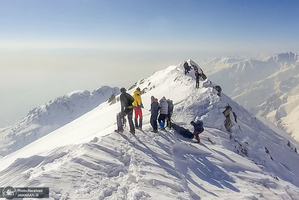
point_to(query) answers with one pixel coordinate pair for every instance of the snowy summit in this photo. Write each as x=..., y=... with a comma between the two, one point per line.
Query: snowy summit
x=86, y=159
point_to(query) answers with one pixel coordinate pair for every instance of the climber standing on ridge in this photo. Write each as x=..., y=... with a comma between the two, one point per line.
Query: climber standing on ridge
x=137, y=105
x=187, y=68
x=163, y=105
x=218, y=89
x=126, y=101
x=154, y=113
x=197, y=75
x=170, y=111
x=227, y=121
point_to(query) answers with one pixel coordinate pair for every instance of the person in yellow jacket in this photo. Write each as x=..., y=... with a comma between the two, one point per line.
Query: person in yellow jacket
x=137, y=105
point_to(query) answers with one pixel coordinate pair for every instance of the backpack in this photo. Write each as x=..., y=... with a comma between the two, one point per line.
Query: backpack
x=203, y=76
x=182, y=131
x=186, y=65
x=199, y=126
x=227, y=111
x=202, y=129
x=130, y=100
x=218, y=88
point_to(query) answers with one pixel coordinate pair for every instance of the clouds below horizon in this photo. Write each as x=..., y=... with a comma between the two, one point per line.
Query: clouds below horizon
x=49, y=48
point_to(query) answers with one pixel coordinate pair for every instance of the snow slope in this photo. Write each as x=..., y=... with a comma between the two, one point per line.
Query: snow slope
x=51, y=116
x=85, y=159
x=267, y=86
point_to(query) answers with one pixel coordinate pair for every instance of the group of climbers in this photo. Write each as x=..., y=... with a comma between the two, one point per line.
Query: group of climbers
x=165, y=107
x=161, y=111
x=197, y=72
x=129, y=103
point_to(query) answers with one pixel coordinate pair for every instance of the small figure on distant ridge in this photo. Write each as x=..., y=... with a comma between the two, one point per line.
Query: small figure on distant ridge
x=197, y=75
x=227, y=121
x=170, y=111
x=187, y=68
x=218, y=89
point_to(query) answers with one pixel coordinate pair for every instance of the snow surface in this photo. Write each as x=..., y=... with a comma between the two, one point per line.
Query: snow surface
x=86, y=159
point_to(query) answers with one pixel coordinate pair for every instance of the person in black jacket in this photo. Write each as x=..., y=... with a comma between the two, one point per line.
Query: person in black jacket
x=197, y=76
x=154, y=113
x=126, y=101
x=170, y=111
x=187, y=68
x=198, y=129
x=218, y=89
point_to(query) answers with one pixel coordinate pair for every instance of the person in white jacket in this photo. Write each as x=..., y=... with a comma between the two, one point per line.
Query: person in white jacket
x=163, y=107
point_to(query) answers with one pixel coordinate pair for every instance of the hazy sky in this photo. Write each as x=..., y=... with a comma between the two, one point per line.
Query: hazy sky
x=50, y=48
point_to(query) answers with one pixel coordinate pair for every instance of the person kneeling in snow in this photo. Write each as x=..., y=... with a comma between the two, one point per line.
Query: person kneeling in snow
x=198, y=129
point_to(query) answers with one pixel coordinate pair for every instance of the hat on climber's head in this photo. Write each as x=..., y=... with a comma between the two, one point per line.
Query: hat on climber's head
x=122, y=90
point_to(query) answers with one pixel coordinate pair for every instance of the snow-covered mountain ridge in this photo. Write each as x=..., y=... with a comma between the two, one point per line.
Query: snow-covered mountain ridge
x=267, y=86
x=51, y=116
x=85, y=159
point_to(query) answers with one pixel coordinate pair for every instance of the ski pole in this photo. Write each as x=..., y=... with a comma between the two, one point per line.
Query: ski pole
x=146, y=109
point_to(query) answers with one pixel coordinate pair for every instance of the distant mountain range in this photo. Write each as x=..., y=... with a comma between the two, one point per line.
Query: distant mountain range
x=265, y=85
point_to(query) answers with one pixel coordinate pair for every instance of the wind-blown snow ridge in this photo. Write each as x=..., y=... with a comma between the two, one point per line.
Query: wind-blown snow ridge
x=85, y=159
